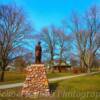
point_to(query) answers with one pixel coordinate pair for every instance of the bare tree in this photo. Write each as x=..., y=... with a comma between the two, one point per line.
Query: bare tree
x=63, y=44
x=87, y=31
x=13, y=30
x=93, y=30
x=48, y=36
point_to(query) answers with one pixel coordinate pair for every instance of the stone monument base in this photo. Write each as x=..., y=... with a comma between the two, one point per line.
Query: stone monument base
x=36, y=83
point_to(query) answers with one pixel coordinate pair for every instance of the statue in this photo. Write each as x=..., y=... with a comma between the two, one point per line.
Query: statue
x=38, y=51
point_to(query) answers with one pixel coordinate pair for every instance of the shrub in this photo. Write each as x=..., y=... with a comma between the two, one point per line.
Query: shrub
x=75, y=70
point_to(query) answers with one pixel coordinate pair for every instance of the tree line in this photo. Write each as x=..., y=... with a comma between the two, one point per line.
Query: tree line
x=83, y=39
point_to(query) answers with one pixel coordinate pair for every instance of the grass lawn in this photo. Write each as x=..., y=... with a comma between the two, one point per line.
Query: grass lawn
x=57, y=74
x=80, y=88
x=15, y=77
x=86, y=88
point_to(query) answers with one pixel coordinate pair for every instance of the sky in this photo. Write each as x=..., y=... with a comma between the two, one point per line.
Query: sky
x=43, y=13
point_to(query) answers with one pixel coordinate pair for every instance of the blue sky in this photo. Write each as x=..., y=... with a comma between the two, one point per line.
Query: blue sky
x=47, y=12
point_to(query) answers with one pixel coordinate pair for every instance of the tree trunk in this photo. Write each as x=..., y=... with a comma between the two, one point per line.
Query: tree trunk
x=59, y=68
x=89, y=62
x=2, y=75
x=81, y=63
x=89, y=70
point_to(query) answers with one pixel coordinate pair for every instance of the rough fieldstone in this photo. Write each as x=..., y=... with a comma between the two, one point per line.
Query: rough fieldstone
x=36, y=82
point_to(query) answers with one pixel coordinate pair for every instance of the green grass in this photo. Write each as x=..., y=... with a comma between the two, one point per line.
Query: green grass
x=87, y=87
x=80, y=88
x=15, y=77
x=57, y=74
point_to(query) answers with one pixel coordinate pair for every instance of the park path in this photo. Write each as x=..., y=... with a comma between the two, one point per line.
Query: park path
x=50, y=80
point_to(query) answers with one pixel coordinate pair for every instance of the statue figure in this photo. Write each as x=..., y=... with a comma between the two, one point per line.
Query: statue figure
x=36, y=76
x=38, y=51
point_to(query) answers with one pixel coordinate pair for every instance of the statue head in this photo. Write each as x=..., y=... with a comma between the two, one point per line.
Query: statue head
x=39, y=42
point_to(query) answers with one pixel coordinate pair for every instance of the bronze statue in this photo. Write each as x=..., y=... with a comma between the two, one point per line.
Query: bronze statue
x=38, y=51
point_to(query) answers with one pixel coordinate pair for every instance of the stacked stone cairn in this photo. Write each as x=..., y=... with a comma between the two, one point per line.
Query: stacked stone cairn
x=36, y=83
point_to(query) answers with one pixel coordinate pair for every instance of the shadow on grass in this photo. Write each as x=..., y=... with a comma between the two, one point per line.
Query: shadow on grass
x=53, y=87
